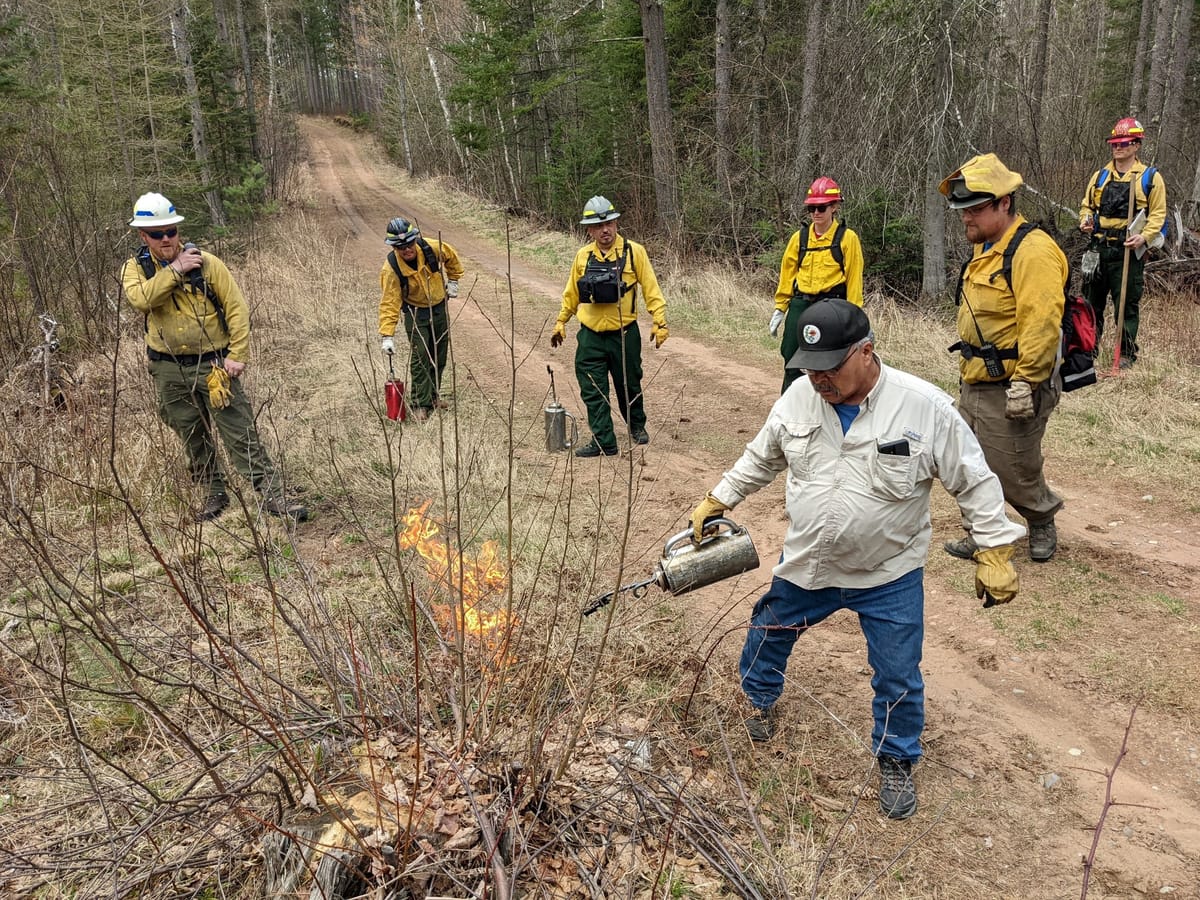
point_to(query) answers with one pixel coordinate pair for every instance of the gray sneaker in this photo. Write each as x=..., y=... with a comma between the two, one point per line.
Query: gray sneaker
x=761, y=725
x=1043, y=541
x=962, y=549
x=897, y=793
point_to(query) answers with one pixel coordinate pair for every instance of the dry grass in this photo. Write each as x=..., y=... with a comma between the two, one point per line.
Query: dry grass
x=165, y=691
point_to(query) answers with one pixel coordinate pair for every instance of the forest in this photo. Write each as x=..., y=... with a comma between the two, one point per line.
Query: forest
x=703, y=121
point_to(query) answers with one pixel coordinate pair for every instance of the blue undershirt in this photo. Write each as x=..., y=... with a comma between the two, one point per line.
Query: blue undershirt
x=847, y=414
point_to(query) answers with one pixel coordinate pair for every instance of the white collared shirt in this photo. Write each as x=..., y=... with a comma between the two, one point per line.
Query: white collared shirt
x=858, y=518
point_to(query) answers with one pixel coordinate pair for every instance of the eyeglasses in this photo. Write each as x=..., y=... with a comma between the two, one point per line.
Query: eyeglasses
x=159, y=235
x=1123, y=144
x=818, y=208
x=829, y=373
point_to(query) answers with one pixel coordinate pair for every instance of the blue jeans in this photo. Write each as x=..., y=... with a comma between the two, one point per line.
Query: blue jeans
x=892, y=620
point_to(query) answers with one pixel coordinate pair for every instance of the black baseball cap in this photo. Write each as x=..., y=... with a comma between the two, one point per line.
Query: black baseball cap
x=827, y=329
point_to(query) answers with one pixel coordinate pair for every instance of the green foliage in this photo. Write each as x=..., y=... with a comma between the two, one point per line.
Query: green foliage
x=891, y=239
x=247, y=201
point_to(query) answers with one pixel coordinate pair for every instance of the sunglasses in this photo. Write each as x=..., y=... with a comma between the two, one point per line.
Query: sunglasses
x=1123, y=144
x=159, y=235
x=816, y=208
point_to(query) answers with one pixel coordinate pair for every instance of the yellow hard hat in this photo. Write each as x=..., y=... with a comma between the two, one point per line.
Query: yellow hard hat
x=978, y=180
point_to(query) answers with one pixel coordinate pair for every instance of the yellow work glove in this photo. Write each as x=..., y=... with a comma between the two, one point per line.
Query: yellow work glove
x=995, y=578
x=220, y=392
x=558, y=335
x=659, y=335
x=710, y=507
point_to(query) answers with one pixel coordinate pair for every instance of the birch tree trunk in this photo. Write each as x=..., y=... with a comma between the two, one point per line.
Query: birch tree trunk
x=183, y=52
x=658, y=102
x=438, y=87
x=269, y=48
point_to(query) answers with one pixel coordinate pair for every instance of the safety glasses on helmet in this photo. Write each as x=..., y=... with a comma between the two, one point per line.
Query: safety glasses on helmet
x=159, y=235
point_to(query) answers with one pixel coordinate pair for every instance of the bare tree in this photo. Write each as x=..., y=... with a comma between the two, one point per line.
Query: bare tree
x=658, y=102
x=805, y=157
x=1137, y=87
x=180, y=14
x=1170, y=142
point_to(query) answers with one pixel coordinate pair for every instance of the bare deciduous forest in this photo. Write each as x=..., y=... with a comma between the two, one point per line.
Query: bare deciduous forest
x=399, y=699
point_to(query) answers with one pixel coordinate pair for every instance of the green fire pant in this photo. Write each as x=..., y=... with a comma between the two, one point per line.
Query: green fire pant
x=1106, y=281
x=1013, y=449
x=428, y=330
x=616, y=354
x=183, y=405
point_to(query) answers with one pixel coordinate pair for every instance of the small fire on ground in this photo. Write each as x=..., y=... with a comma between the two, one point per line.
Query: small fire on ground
x=478, y=582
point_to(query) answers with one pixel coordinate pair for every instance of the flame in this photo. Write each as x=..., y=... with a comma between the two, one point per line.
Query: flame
x=474, y=580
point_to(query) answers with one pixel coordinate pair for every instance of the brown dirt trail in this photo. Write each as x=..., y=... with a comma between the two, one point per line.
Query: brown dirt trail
x=1011, y=709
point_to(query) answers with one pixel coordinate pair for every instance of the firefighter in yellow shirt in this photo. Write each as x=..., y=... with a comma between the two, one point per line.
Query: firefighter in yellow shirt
x=823, y=259
x=1104, y=214
x=1009, y=336
x=602, y=290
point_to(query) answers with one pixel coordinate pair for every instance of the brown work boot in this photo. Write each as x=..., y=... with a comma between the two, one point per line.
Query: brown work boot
x=1043, y=541
x=277, y=504
x=962, y=549
x=213, y=507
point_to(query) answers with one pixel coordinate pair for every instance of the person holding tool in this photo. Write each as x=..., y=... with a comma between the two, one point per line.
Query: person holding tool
x=417, y=279
x=198, y=343
x=602, y=290
x=823, y=259
x=861, y=444
x=1010, y=309
x=1111, y=207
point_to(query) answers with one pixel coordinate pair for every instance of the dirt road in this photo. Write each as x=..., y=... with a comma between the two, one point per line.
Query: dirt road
x=1027, y=705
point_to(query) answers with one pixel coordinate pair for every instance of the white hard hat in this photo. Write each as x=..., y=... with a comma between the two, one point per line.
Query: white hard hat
x=598, y=210
x=153, y=210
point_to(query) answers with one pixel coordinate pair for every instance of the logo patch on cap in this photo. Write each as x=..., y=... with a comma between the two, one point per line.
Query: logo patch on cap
x=811, y=334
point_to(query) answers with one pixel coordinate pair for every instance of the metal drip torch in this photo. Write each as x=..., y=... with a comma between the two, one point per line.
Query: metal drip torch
x=556, y=417
x=686, y=566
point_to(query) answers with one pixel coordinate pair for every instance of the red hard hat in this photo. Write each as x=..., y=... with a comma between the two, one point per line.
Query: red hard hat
x=1127, y=129
x=822, y=192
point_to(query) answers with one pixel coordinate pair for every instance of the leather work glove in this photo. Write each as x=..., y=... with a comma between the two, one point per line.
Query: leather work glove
x=710, y=507
x=777, y=318
x=220, y=393
x=659, y=335
x=995, y=578
x=1019, y=402
x=387, y=345
x=451, y=289
x=558, y=335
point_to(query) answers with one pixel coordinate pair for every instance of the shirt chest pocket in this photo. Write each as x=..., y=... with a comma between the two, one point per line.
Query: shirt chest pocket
x=799, y=446
x=894, y=477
